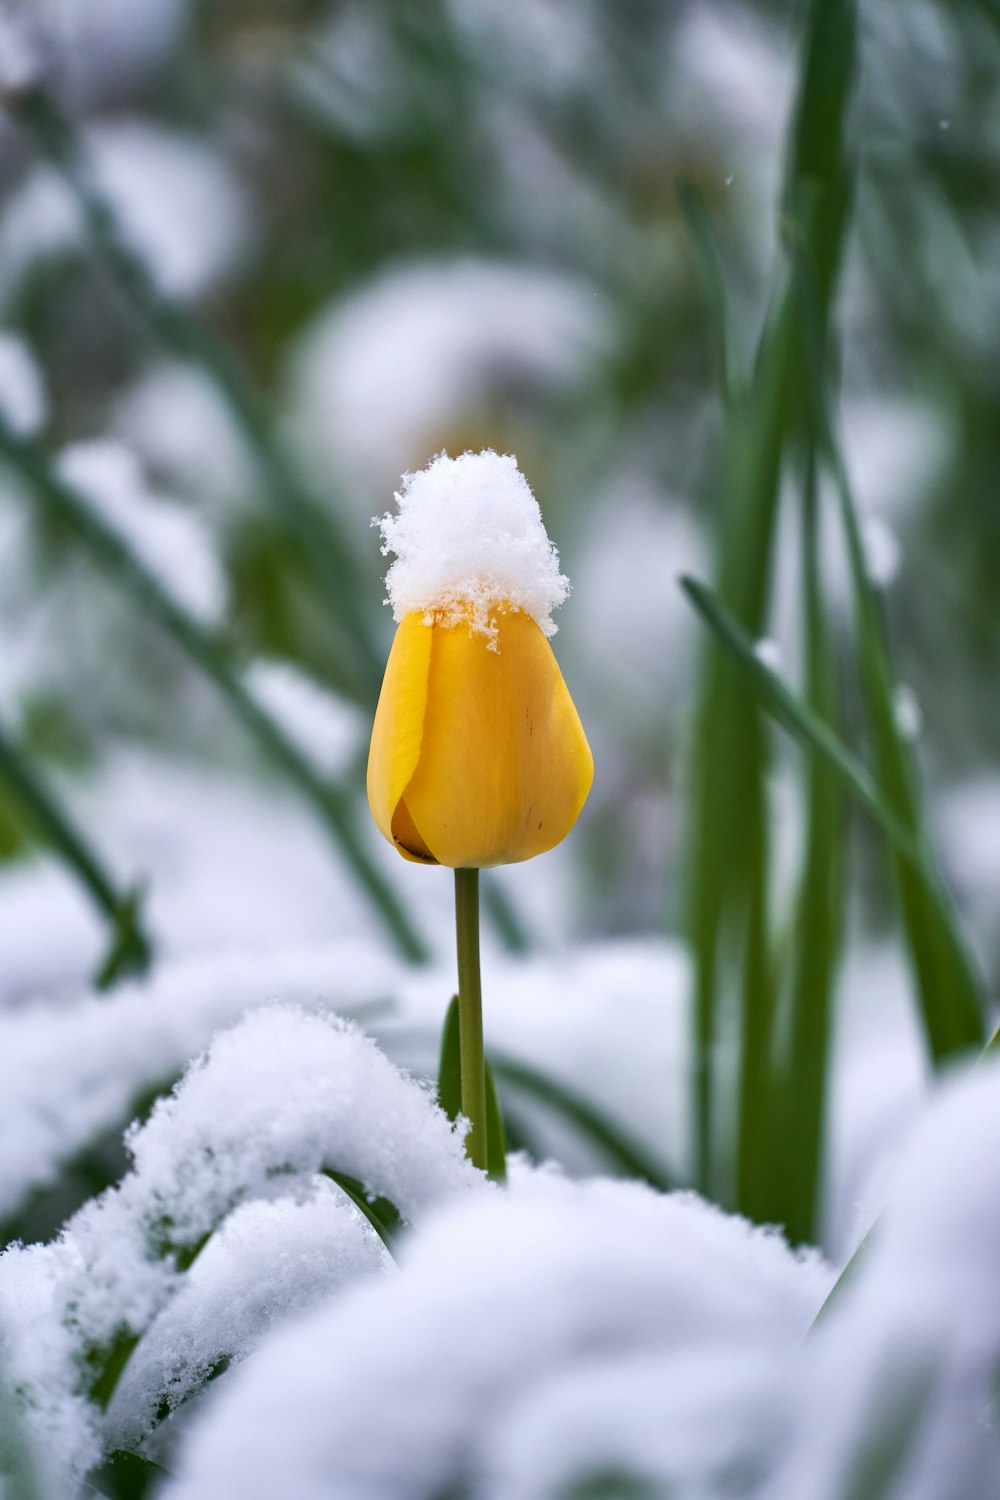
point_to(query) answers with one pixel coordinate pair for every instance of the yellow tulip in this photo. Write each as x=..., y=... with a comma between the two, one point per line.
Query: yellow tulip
x=478, y=756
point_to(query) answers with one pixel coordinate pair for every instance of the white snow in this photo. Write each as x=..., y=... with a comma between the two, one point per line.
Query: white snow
x=404, y=1387
x=177, y=200
x=388, y=374
x=326, y=729
x=920, y=1324
x=74, y=1069
x=22, y=391
x=21, y=60
x=271, y=1106
x=269, y=1260
x=170, y=540
x=468, y=537
x=174, y=418
x=881, y=551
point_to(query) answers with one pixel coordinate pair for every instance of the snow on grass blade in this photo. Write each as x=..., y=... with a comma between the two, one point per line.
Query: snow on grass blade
x=226, y=1171
x=73, y=1076
x=128, y=949
x=811, y=731
x=310, y=525
x=201, y=647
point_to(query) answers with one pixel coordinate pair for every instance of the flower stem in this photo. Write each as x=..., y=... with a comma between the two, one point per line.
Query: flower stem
x=470, y=1012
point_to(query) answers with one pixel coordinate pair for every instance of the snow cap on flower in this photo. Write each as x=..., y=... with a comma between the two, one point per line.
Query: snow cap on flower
x=468, y=538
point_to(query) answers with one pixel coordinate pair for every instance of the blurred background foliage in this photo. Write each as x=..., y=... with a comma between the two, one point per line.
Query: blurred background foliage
x=383, y=228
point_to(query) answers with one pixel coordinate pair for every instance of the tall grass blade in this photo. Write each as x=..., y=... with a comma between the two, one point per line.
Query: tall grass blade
x=951, y=996
x=724, y=861
x=816, y=735
x=818, y=928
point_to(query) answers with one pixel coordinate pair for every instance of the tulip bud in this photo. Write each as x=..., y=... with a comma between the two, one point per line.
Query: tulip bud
x=477, y=755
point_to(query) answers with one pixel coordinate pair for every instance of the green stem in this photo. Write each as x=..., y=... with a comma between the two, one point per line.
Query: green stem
x=470, y=1011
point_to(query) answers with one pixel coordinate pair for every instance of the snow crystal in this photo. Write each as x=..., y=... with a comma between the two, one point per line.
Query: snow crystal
x=400, y=1387
x=327, y=730
x=171, y=541
x=268, y=1261
x=920, y=1324
x=22, y=393
x=469, y=537
x=177, y=200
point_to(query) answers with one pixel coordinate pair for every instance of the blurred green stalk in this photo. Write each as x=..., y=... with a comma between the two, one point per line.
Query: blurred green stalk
x=727, y=865
x=332, y=804
x=129, y=950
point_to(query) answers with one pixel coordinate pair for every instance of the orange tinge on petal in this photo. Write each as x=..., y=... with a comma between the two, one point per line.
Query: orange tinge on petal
x=478, y=756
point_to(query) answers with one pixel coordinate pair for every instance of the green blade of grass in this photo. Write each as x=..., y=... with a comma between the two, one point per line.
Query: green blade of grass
x=382, y=1215
x=723, y=856
x=111, y=551
x=816, y=735
x=311, y=525
x=817, y=930
x=703, y=236
x=952, y=998
x=129, y=950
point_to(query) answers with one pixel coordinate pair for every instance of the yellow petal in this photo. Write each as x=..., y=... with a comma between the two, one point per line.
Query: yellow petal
x=398, y=732
x=504, y=766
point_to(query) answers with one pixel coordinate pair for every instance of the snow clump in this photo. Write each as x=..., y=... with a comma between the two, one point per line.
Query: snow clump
x=408, y=1387
x=469, y=538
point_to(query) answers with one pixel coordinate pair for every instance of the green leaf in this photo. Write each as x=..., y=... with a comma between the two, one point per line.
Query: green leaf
x=449, y=1093
x=449, y=1085
x=125, y=1476
x=496, y=1136
x=381, y=1213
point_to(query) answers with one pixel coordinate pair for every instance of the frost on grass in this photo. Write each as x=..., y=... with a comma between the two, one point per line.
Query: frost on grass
x=326, y=730
x=413, y=1386
x=171, y=542
x=912, y=1352
x=468, y=537
x=272, y=1106
x=22, y=391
